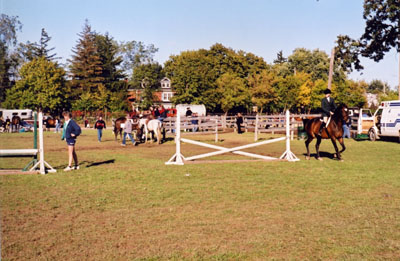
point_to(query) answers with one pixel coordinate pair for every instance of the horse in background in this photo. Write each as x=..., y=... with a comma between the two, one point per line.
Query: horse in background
x=118, y=123
x=151, y=125
x=15, y=123
x=333, y=131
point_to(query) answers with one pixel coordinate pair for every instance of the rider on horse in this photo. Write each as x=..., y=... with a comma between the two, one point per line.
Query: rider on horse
x=328, y=107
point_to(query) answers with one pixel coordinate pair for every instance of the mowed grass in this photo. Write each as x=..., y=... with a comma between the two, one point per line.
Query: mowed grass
x=124, y=203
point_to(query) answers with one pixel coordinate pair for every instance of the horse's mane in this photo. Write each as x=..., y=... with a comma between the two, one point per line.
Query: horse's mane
x=338, y=111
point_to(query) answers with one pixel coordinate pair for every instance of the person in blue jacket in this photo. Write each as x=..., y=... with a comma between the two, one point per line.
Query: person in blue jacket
x=71, y=131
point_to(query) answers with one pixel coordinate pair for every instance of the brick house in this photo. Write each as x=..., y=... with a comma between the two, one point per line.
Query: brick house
x=161, y=97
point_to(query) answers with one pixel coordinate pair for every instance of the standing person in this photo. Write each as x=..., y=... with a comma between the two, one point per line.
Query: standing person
x=156, y=113
x=239, y=122
x=128, y=131
x=188, y=112
x=346, y=128
x=71, y=131
x=99, y=125
x=195, y=122
x=7, y=124
x=57, y=125
x=328, y=107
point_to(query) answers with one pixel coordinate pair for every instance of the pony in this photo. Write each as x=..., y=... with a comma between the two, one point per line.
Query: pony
x=15, y=123
x=118, y=128
x=151, y=125
x=333, y=131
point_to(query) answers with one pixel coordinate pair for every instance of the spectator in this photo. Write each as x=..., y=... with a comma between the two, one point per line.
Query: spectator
x=57, y=125
x=99, y=125
x=128, y=131
x=188, y=112
x=346, y=128
x=87, y=123
x=71, y=131
x=195, y=122
x=239, y=122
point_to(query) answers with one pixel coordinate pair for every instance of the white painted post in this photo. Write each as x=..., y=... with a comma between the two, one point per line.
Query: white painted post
x=256, y=129
x=41, y=148
x=288, y=155
x=216, y=130
x=178, y=158
x=42, y=163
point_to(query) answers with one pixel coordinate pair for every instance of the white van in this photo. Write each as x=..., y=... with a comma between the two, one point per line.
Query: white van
x=195, y=108
x=386, y=121
x=25, y=114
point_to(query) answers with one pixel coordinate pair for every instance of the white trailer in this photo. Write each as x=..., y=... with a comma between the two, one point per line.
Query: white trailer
x=200, y=109
x=386, y=121
x=24, y=114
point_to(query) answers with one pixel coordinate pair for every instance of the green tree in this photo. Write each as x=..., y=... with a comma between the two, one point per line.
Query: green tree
x=233, y=92
x=147, y=76
x=382, y=29
x=262, y=90
x=280, y=59
x=86, y=66
x=351, y=93
x=347, y=52
x=135, y=54
x=9, y=26
x=194, y=74
x=110, y=60
x=42, y=86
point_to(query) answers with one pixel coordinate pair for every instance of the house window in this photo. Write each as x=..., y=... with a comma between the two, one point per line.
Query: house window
x=166, y=96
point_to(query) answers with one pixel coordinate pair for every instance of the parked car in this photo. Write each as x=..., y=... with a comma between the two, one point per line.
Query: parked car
x=386, y=121
x=361, y=120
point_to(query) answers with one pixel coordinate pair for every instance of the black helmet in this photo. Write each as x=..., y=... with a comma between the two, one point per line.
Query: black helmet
x=327, y=91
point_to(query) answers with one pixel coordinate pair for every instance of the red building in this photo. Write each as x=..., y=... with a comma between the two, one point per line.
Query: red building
x=161, y=97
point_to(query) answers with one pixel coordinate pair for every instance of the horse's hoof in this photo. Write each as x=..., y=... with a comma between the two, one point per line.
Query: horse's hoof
x=320, y=159
x=341, y=160
x=307, y=158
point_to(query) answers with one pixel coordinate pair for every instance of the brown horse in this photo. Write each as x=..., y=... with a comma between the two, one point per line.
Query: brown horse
x=333, y=131
x=118, y=129
x=15, y=123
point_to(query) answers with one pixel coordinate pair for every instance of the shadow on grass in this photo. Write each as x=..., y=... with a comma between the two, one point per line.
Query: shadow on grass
x=90, y=163
x=322, y=154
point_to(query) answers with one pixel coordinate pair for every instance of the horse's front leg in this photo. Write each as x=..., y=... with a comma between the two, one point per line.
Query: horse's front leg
x=336, y=148
x=317, y=147
x=308, y=141
x=341, y=141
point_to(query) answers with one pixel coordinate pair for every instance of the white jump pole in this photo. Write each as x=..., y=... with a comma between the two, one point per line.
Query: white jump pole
x=178, y=158
x=288, y=155
x=42, y=163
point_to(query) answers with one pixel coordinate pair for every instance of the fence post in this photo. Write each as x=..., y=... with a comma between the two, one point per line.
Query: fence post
x=216, y=130
x=256, y=129
x=178, y=158
x=288, y=154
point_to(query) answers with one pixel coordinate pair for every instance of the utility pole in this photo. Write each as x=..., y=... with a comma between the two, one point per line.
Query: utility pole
x=331, y=68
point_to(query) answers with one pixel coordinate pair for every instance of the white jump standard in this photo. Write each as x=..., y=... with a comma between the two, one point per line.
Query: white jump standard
x=178, y=158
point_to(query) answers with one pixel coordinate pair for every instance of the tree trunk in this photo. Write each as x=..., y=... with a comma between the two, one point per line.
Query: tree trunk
x=331, y=68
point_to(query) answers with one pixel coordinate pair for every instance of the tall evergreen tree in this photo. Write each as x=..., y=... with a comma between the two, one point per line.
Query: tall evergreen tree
x=86, y=67
x=107, y=50
x=42, y=49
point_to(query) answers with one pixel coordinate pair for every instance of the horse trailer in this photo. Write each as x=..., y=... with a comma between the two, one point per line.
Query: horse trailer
x=200, y=109
x=24, y=114
x=386, y=121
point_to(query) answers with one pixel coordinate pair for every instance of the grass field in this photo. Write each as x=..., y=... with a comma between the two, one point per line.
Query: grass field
x=124, y=203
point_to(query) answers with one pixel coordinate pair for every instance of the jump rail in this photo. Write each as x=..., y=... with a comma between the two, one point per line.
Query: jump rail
x=32, y=152
x=178, y=158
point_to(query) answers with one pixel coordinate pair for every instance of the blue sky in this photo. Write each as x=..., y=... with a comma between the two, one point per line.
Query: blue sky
x=263, y=27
